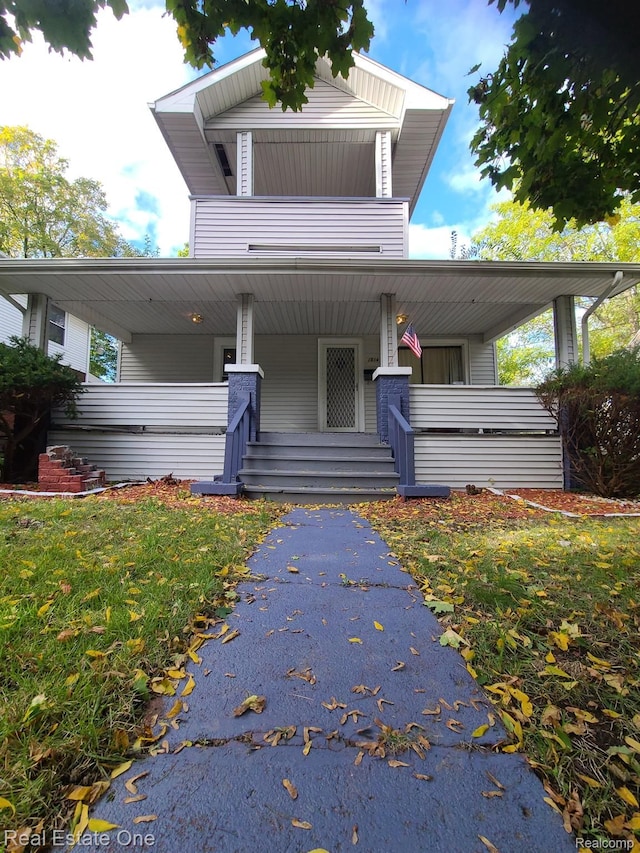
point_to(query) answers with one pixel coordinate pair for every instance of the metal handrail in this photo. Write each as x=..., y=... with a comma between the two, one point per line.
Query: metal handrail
x=236, y=440
x=401, y=439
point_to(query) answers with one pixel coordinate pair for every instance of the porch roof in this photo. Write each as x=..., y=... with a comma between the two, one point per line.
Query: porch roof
x=125, y=296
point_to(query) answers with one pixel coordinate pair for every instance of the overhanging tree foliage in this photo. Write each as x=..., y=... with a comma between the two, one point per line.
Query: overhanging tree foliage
x=561, y=113
x=293, y=33
x=598, y=407
x=31, y=384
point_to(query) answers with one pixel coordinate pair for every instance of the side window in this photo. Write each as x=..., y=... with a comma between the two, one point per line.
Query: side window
x=57, y=321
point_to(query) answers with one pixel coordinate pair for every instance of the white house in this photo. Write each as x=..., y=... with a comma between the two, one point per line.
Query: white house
x=68, y=336
x=282, y=329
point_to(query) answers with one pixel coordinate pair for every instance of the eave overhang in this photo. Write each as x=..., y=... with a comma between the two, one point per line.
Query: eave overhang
x=126, y=297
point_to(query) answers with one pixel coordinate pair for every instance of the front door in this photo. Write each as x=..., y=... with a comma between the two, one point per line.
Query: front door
x=340, y=387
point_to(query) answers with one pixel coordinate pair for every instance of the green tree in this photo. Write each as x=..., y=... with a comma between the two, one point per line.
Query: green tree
x=523, y=233
x=42, y=213
x=561, y=113
x=31, y=383
x=293, y=33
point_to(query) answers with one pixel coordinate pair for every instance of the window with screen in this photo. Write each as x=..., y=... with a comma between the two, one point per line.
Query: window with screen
x=57, y=322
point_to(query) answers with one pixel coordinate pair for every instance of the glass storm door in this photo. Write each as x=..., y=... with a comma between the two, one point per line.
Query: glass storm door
x=340, y=409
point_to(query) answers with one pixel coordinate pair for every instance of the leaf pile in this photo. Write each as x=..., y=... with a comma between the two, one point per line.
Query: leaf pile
x=545, y=612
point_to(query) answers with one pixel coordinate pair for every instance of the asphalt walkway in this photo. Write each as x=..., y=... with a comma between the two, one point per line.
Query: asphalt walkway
x=334, y=635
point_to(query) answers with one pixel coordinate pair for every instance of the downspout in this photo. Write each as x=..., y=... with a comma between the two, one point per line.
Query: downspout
x=586, y=355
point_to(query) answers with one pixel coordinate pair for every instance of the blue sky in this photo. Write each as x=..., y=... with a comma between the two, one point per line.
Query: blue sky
x=98, y=114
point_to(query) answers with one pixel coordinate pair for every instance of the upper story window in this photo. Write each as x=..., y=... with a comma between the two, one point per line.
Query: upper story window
x=57, y=324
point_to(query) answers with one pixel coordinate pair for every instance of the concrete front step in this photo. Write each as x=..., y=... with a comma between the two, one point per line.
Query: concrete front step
x=340, y=464
x=320, y=479
x=318, y=495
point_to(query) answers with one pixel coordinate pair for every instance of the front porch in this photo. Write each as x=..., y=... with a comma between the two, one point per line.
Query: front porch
x=487, y=435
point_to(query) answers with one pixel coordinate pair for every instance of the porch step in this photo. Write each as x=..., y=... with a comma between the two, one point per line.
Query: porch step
x=318, y=468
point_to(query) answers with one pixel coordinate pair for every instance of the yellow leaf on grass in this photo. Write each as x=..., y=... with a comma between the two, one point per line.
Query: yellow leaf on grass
x=42, y=610
x=633, y=743
x=121, y=768
x=591, y=782
x=79, y=793
x=560, y=639
x=97, y=825
x=625, y=794
x=231, y=636
x=188, y=688
x=378, y=626
x=5, y=804
x=355, y=640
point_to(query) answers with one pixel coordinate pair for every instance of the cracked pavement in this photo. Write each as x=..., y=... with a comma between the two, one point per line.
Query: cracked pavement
x=334, y=634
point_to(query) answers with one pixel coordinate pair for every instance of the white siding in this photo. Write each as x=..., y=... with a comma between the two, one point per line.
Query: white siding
x=478, y=407
x=10, y=318
x=290, y=385
x=483, y=362
x=500, y=461
x=142, y=430
x=327, y=107
x=167, y=358
x=229, y=227
x=134, y=457
x=75, y=351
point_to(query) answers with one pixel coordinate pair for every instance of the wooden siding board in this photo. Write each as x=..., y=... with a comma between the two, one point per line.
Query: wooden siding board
x=477, y=407
x=133, y=457
x=169, y=358
x=490, y=460
x=226, y=227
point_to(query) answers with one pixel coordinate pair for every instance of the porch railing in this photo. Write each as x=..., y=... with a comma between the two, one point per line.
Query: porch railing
x=401, y=440
x=237, y=437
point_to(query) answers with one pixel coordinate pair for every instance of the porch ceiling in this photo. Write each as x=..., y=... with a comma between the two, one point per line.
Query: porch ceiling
x=296, y=296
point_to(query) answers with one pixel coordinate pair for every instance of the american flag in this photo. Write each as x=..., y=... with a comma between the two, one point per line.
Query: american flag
x=411, y=340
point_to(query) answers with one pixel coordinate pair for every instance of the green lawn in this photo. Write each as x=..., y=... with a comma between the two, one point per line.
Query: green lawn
x=546, y=612
x=98, y=598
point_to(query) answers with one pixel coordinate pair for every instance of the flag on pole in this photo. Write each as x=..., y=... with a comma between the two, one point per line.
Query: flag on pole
x=410, y=338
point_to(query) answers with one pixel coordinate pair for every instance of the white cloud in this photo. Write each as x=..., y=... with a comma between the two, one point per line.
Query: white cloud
x=467, y=181
x=97, y=113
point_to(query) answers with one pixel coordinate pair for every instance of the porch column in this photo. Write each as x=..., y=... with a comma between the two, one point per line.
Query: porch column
x=383, y=164
x=244, y=329
x=564, y=329
x=245, y=377
x=388, y=331
x=244, y=172
x=35, y=321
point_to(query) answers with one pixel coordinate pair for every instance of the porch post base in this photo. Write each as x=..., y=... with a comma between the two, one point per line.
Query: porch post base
x=211, y=487
x=245, y=379
x=390, y=382
x=419, y=491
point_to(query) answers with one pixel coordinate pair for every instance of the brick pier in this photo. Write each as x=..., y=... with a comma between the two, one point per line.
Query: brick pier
x=60, y=471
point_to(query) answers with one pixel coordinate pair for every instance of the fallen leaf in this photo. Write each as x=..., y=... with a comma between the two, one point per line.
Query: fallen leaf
x=493, y=779
x=413, y=651
x=393, y=762
x=480, y=730
x=135, y=799
x=400, y=665
x=591, y=782
x=625, y=794
x=430, y=712
x=188, y=688
x=231, y=636
x=251, y=703
x=423, y=776
x=490, y=847
x=378, y=626
x=355, y=640
x=293, y=570
x=490, y=794
x=79, y=793
x=291, y=788
x=5, y=804
x=130, y=784
x=359, y=757
x=145, y=818
x=121, y=768
x=97, y=825
x=301, y=824
x=354, y=834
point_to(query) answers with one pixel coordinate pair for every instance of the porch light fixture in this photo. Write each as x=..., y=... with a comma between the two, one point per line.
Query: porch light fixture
x=197, y=318
x=401, y=318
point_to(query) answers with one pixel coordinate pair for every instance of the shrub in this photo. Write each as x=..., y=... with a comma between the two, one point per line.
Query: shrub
x=598, y=409
x=31, y=383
